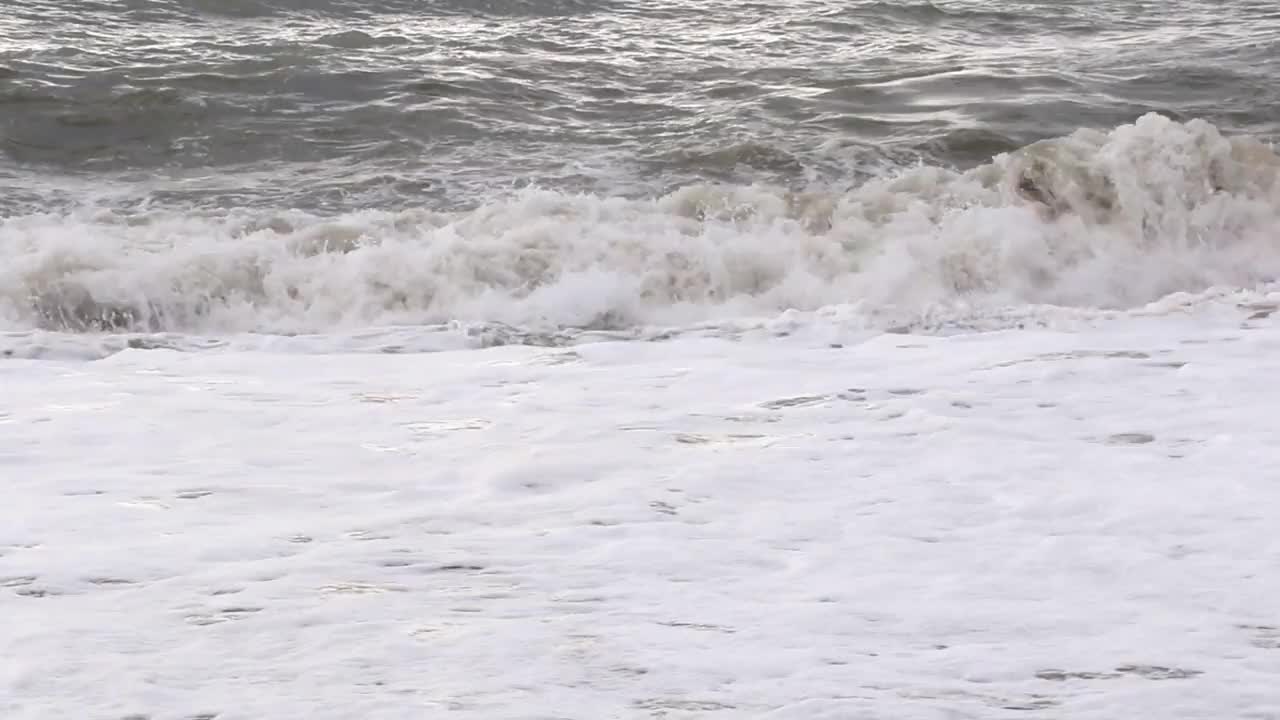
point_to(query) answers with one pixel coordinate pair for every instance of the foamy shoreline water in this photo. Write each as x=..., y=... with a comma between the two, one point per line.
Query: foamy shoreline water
x=976, y=526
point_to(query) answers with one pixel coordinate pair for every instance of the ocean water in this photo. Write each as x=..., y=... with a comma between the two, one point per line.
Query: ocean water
x=581, y=359
x=280, y=168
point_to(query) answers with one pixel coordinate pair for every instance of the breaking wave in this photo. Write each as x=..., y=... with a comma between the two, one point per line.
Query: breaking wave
x=1106, y=220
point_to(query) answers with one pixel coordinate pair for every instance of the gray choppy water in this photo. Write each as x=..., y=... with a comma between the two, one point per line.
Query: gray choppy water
x=330, y=104
x=286, y=166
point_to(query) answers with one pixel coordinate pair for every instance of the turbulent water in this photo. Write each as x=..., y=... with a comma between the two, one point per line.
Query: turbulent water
x=542, y=168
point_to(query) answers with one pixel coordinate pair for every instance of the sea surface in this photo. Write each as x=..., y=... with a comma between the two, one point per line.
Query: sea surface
x=641, y=360
x=535, y=169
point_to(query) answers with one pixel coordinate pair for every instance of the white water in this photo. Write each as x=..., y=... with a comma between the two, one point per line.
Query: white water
x=1049, y=492
x=1003, y=525
x=1097, y=220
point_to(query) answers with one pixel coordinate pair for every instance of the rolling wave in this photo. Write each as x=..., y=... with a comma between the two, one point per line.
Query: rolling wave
x=1091, y=220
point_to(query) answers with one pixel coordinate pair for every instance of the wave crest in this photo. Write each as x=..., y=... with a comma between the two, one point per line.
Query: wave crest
x=1105, y=220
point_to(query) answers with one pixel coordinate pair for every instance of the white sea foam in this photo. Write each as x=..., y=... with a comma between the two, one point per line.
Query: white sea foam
x=1096, y=220
x=995, y=525
x=818, y=520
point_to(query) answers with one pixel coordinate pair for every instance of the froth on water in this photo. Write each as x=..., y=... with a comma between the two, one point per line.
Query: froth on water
x=1095, y=219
